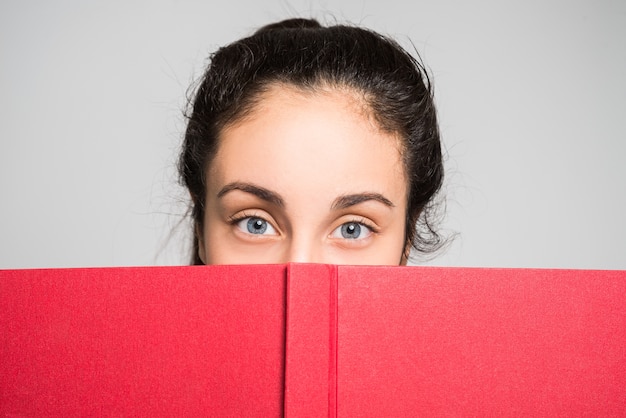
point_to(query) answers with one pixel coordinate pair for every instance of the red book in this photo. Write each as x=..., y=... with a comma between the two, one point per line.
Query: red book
x=312, y=340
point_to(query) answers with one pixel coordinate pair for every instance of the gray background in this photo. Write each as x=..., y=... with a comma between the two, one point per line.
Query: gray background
x=531, y=96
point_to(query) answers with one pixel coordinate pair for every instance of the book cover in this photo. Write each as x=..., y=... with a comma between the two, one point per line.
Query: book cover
x=312, y=340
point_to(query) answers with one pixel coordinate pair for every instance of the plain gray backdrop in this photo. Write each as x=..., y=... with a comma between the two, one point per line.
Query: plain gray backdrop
x=531, y=98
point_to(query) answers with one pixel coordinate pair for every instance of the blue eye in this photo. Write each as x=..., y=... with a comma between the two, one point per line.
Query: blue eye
x=352, y=231
x=256, y=226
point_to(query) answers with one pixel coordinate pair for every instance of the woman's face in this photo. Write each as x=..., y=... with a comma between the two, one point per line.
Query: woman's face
x=305, y=177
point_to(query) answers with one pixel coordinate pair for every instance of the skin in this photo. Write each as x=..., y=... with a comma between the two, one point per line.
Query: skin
x=305, y=177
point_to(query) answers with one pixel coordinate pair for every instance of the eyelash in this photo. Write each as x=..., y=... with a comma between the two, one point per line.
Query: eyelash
x=234, y=219
x=363, y=222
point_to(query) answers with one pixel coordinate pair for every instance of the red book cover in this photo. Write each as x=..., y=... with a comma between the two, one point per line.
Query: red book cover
x=481, y=342
x=312, y=340
x=175, y=341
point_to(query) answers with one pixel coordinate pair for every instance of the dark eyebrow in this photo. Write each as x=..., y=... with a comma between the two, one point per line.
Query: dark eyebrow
x=258, y=191
x=343, y=202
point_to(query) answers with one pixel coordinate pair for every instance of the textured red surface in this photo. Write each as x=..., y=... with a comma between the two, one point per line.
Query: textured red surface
x=310, y=374
x=312, y=340
x=486, y=342
x=142, y=342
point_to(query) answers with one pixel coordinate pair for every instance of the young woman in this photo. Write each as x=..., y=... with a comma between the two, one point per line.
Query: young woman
x=312, y=144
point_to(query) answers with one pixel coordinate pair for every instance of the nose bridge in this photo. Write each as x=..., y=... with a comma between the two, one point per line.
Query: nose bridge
x=304, y=248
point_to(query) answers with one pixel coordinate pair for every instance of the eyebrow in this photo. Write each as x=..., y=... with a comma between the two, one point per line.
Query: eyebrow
x=258, y=191
x=346, y=201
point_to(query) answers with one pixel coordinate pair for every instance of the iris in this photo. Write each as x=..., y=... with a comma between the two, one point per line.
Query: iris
x=256, y=226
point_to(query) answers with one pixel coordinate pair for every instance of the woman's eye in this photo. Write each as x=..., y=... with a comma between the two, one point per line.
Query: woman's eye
x=256, y=226
x=352, y=230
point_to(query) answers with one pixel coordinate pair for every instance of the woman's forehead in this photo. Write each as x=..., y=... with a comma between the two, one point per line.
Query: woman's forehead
x=316, y=139
x=350, y=98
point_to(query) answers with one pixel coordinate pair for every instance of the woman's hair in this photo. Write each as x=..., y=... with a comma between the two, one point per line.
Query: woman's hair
x=308, y=56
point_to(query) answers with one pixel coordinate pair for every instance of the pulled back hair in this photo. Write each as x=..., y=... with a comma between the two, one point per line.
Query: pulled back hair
x=306, y=55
